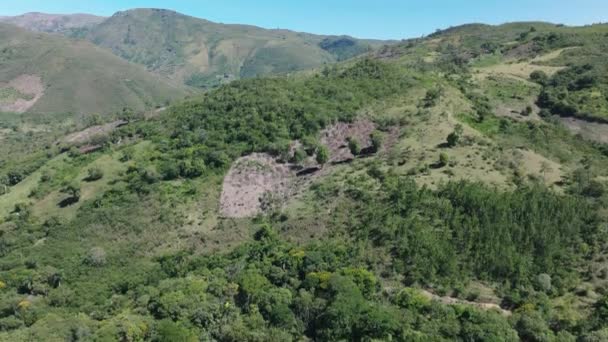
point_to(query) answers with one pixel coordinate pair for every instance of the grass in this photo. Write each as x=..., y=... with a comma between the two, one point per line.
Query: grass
x=20, y=192
x=10, y=95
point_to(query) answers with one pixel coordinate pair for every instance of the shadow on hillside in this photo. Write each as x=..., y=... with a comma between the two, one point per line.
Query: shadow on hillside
x=68, y=202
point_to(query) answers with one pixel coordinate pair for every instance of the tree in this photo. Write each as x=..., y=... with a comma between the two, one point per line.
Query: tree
x=443, y=159
x=527, y=111
x=543, y=282
x=322, y=155
x=168, y=331
x=72, y=189
x=377, y=138
x=432, y=97
x=454, y=137
x=298, y=156
x=539, y=77
x=94, y=174
x=96, y=257
x=354, y=146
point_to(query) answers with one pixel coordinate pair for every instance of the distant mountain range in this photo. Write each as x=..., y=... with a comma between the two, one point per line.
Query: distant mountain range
x=197, y=52
x=53, y=23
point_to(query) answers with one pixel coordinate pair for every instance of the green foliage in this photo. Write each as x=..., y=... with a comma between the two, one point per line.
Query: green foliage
x=454, y=137
x=265, y=114
x=377, y=139
x=322, y=155
x=412, y=299
x=146, y=257
x=354, y=146
x=94, y=174
x=72, y=189
x=432, y=97
x=500, y=236
x=579, y=91
x=178, y=46
x=539, y=77
x=443, y=159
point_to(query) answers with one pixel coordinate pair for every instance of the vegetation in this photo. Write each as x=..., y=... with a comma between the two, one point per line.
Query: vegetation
x=501, y=237
x=197, y=52
x=102, y=82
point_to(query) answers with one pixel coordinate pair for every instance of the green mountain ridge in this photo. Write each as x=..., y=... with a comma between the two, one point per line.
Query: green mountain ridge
x=203, y=53
x=78, y=77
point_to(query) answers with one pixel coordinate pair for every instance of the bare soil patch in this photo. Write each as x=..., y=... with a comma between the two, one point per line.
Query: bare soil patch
x=30, y=85
x=249, y=180
x=456, y=301
x=88, y=134
x=335, y=138
x=590, y=130
x=258, y=182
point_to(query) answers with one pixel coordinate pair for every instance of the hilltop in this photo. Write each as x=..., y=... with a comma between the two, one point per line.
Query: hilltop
x=53, y=23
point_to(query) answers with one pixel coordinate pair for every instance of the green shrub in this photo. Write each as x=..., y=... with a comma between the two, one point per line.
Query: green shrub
x=94, y=174
x=354, y=146
x=322, y=155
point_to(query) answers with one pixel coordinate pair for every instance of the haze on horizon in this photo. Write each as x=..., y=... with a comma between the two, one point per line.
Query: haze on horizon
x=382, y=19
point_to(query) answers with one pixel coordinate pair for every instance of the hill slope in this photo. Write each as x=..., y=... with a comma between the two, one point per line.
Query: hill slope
x=412, y=196
x=49, y=73
x=203, y=53
x=53, y=23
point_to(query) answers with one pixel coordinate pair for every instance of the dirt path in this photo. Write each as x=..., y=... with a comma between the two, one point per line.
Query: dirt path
x=86, y=135
x=455, y=301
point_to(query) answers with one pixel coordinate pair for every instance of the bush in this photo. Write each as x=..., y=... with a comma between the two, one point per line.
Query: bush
x=72, y=189
x=432, y=97
x=412, y=299
x=96, y=257
x=354, y=146
x=454, y=137
x=377, y=138
x=539, y=77
x=443, y=159
x=299, y=155
x=94, y=174
x=322, y=155
x=543, y=282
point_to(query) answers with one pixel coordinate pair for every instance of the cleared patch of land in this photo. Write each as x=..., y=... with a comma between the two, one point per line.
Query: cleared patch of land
x=251, y=178
x=22, y=93
x=92, y=132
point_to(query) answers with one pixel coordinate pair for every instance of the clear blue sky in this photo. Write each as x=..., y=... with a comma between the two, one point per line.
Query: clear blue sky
x=394, y=19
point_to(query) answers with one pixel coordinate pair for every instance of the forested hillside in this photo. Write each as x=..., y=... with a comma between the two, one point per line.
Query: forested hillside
x=429, y=191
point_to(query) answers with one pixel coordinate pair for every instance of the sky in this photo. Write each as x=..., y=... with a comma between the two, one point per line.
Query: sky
x=382, y=19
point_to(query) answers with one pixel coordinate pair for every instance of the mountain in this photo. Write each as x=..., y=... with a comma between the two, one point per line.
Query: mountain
x=448, y=188
x=53, y=23
x=202, y=53
x=45, y=73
